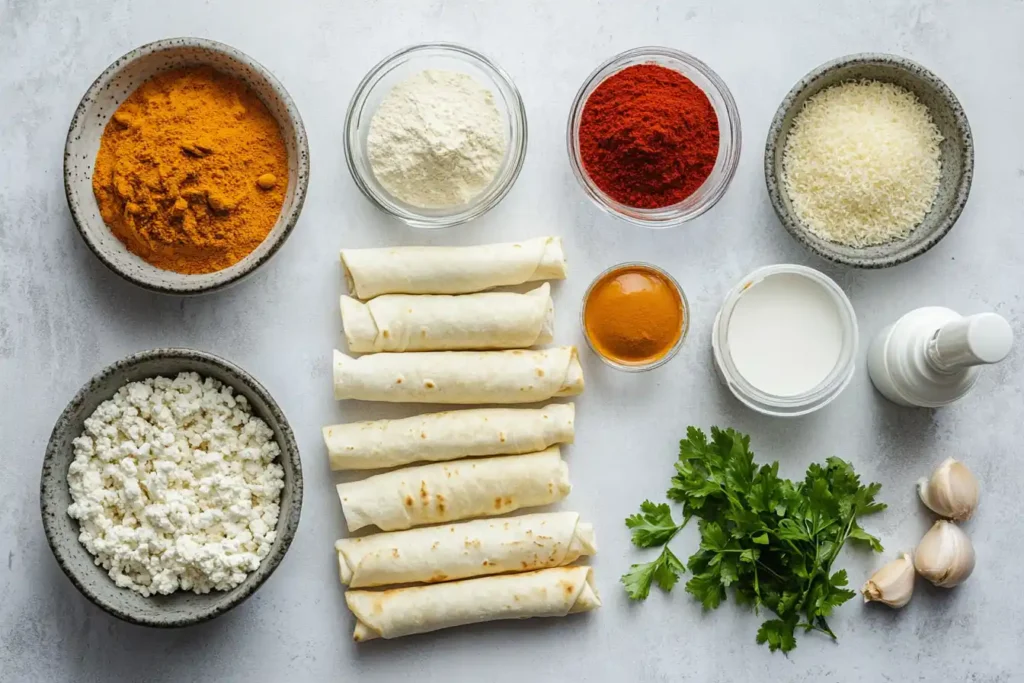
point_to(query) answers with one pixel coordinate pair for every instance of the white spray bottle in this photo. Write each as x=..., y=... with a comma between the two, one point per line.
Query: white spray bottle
x=931, y=356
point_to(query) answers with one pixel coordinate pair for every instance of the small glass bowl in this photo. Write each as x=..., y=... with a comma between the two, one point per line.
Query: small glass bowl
x=657, y=362
x=708, y=194
x=401, y=65
x=785, y=406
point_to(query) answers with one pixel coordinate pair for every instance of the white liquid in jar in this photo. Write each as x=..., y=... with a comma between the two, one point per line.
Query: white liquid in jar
x=785, y=334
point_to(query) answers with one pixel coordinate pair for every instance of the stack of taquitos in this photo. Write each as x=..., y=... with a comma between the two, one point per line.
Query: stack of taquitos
x=433, y=337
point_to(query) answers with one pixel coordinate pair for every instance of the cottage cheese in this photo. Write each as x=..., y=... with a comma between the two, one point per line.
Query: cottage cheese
x=174, y=486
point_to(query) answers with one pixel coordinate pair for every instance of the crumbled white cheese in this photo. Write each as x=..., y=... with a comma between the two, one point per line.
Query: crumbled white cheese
x=175, y=486
x=861, y=163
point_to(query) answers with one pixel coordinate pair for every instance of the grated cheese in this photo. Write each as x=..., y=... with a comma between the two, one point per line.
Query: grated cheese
x=861, y=163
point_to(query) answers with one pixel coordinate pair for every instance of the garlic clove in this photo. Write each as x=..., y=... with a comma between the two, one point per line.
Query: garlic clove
x=945, y=556
x=951, y=491
x=893, y=584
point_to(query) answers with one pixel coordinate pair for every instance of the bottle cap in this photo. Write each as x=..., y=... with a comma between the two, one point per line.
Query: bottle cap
x=974, y=340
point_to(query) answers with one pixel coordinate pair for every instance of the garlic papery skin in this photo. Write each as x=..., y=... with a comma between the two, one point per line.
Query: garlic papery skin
x=945, y=556
x=951, y=491
x=893, y=584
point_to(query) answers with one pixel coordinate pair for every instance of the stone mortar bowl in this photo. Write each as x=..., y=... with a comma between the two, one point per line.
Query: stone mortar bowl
x=102, y=99
x=182, y=608
x=957, y=156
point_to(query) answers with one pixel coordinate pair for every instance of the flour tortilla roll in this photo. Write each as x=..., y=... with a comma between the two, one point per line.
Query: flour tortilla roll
x=467, y=377
x=436, y=437
x=419, y=609
x=441, y=322
x=451, y=270
x=460, y=551
x=446, y=492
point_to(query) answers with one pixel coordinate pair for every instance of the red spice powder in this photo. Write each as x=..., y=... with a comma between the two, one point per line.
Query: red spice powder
x=648, y=136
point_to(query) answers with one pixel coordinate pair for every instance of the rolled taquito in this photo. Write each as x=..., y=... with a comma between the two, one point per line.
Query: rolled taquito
x=466, y=377
x=442, y=322
x=435, y=437
x=460, y=551
x=451, y=270
x=446, y=492
x=418, y=609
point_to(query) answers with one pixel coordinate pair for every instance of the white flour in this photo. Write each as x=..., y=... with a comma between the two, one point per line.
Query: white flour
x=437, y=140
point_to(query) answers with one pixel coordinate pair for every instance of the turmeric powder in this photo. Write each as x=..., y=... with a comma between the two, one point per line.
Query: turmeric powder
x=190, y=172
x=633, y=315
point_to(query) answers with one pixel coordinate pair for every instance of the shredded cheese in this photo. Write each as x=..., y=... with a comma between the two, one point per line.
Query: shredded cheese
x=861, y=163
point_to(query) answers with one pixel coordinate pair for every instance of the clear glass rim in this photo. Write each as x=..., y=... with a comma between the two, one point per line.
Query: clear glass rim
x=729, y=149
x=502, y=182
x=801, y=404
x=658, y=362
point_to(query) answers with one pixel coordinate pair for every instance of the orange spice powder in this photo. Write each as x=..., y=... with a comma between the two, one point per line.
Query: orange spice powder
x=192, y=171
x=633, y=315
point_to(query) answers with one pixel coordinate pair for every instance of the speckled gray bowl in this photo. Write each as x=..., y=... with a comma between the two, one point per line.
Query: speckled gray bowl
x=957, y=156
x=181, y=608
x=94, y=111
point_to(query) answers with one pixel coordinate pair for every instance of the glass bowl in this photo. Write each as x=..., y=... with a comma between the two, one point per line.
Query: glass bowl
x=708, y=194
x=396, y=68
x=771, y=404
x=657, y=362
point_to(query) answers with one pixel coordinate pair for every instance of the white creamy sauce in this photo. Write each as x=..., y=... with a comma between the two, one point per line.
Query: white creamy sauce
x=785, y=334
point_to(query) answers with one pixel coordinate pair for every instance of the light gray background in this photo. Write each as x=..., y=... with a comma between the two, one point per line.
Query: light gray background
x=63, y=317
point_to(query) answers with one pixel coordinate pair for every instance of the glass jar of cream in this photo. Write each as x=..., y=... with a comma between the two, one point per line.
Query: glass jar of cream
x=785, y=340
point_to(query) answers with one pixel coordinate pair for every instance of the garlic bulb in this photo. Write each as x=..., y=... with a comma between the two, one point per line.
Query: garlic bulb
x=893, y=584
x=951, y=491
x=945, y=555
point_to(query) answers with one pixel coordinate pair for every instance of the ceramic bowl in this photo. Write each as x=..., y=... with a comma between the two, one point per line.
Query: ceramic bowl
x=957, y=156
x=94, y=111
x=401, y=65
x=181, y=608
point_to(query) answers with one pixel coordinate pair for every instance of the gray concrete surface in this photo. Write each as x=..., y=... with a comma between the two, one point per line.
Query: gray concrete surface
x=63, y=316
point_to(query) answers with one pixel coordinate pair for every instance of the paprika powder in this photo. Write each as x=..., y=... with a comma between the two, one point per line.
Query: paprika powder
x=648, y=136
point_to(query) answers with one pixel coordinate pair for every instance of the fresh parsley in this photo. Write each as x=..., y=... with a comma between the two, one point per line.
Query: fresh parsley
x=653, y=527
x=772, y=540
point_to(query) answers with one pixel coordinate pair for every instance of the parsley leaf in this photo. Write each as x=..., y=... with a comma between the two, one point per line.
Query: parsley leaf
x=653, y=526
x=772, y=540
x=664, y=571
x=778, y=634
x=707, y=587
